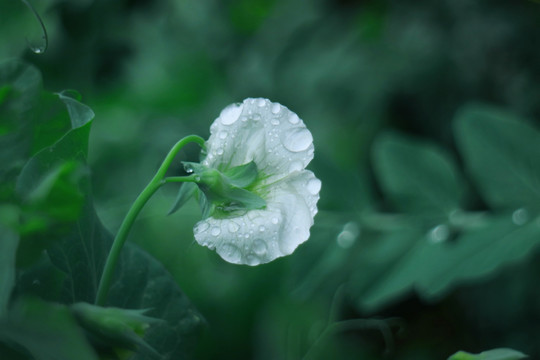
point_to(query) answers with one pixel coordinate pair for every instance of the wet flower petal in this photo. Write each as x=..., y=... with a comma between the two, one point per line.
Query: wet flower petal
x=281, y=146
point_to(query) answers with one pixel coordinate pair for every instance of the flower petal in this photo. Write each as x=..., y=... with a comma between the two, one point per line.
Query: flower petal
x=260, y=236
x=258, y=130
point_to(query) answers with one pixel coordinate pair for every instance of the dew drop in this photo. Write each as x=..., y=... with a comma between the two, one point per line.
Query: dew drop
x=275, y=220
x=276, y=108
x=233, y=227
x=262, y=228
x=439, y=233
x=252, y=260
x=314, y=186
x=246, y=236
x=223, y=135
x=230, y=114
x=215, y=231
x=261, y=102
x=298, y=140
x=201, y=227
x=259, y=247
x=296, y=166
x=230, y=253
x=220, y=151
x=274, y=122
x=294, y=119
x=520, y=217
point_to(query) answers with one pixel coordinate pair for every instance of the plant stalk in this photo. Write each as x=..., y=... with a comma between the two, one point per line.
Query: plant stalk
x=121, y=237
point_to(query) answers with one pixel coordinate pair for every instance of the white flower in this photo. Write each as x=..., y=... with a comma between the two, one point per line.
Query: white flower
x=280, y=145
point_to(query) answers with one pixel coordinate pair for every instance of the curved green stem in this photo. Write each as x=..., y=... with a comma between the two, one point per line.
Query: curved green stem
x=121, y=237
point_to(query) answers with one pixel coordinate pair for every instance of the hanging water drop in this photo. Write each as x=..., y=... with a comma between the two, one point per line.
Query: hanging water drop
x=276, y=108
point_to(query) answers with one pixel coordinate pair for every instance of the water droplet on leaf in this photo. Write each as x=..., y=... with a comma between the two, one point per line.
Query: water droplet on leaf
x=520, y=217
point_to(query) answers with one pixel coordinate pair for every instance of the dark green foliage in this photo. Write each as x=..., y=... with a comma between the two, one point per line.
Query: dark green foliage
x=425, y=119
x=63, y=246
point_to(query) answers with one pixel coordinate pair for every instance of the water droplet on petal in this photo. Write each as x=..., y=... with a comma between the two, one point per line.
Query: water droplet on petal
x=233, y=227
x=230, y=253
x=314, y=186
x=201, y=227
x=256, y=117
x=259, y=247
x=276, y=108
x=520, y=217
x=220, y=151
x=246, y=236
x=252, y=260
x=230, y=114
x=275, y=220
x=215, y=231
x=274, y=122
x=298, y=140
x=294, y=119
x=262, y=228
x=261, y=102
x=296, y=166
x=223, y=135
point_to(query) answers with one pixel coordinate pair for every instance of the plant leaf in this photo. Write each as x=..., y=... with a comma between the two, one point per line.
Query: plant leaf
x=417, y=177
x=502, y=153
x=8, y=248
x=433, y=268
x=140, y=282
x=46, y=331
x=495, y=354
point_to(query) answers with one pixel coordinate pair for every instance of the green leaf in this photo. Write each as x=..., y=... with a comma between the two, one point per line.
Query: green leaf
x=502, y=153
x=117, y=328
x=141, y=282
x=242, y=176
x=46, y=331
x=52, y=183
x=495, y=354
x=186, y=192
x=8, y=248
x=417, y=177
x=433, y=267
x=79, y=113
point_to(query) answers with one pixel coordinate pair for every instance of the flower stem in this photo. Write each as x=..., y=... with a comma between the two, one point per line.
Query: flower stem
x=154, y=184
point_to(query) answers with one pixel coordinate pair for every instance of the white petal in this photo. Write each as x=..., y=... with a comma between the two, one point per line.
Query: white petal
x=261, y=131
x=260, y=236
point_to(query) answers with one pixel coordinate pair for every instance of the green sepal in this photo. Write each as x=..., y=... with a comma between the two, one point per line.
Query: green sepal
x=115, y=330
x=221, y=193
x=243, y=175
x=186, y=192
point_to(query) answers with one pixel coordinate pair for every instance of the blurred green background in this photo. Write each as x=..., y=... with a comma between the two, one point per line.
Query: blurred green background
x=391, y=91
